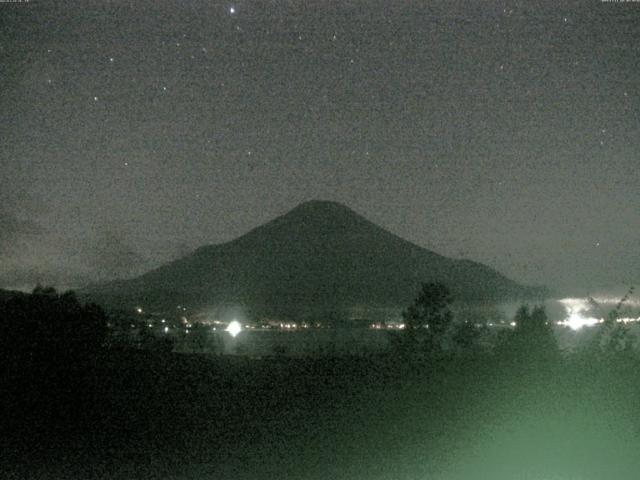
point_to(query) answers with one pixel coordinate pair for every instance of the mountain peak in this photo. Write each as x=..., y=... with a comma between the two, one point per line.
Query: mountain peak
x=315, y=216
x=320, y=255
x=322, y=206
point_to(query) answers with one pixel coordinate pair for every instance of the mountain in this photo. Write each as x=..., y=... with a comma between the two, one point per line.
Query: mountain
x=320, y=256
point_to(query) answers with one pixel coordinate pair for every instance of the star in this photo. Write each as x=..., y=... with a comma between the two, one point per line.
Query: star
x=232, y=10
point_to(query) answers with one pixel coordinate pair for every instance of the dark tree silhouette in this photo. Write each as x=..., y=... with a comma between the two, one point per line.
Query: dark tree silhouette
x=429, y=317
x=465, y=338
x=47, y=327
x=49, y=344
x=532, y=337
x=613, y=337
x=430, y=309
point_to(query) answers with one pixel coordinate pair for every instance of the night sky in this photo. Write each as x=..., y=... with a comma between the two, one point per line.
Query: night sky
x=503, y=132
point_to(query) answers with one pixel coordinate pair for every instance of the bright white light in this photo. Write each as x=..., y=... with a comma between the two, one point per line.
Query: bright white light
x=139, y=309
x=232, y=10
x=234, y=328
x=576, y=321
x=166, y=329
x=577, y=317
x=628, y=320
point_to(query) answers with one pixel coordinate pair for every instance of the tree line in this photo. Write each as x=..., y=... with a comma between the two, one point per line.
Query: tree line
x=430, y=328
x=48, y=327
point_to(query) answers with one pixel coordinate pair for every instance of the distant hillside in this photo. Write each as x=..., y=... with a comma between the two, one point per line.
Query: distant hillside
x=319, y=256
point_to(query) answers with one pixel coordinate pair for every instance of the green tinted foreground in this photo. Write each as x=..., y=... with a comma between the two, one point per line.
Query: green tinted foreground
x=202, y=418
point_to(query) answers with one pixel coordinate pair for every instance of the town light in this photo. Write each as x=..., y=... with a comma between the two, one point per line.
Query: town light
x=234, y=328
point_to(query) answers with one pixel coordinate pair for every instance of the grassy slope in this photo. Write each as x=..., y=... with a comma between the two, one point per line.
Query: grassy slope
x=197, y=417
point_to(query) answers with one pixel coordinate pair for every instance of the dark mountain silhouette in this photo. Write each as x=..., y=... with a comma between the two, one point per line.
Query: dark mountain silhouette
x=319, y=256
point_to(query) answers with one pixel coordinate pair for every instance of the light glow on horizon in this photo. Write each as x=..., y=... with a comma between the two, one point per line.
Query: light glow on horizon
x=576, y=321
x=577, y=313
x=234, y=328
x=580, y=312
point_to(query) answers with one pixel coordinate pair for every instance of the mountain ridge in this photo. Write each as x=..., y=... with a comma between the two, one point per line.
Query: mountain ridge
x=319, y=255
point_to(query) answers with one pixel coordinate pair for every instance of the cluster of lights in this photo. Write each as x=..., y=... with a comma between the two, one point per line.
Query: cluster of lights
x=577, y=315
x=388, y=326
x=500, y=323
x=577, y=311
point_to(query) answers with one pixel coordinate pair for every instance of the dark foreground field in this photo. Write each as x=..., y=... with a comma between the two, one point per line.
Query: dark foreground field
x=169, y=416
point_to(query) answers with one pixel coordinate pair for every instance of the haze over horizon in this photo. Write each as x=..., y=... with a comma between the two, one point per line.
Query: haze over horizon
x=500, y=132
